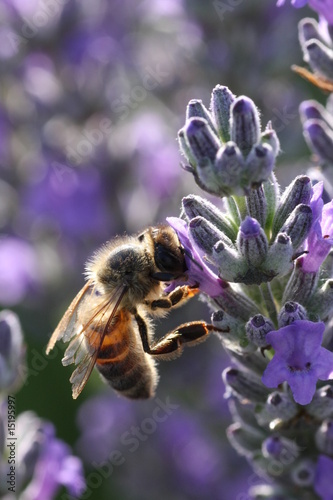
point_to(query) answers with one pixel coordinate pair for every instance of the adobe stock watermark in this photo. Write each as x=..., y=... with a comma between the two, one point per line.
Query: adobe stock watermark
x=130, y=440
x=152, y=77
x=30, y=27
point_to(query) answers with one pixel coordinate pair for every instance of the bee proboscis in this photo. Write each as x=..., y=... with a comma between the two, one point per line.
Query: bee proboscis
x=107, y=324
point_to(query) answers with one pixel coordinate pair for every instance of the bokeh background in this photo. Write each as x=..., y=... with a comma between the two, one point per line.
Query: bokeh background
x=92, y=96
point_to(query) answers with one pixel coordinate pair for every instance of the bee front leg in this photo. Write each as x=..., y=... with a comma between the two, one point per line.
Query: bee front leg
x=172, y=344
x=177, y=297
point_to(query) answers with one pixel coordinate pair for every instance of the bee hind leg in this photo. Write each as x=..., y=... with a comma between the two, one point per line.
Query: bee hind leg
x=172, y=344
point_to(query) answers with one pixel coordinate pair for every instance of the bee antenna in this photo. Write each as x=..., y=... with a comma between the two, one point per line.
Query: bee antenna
x=189, y=255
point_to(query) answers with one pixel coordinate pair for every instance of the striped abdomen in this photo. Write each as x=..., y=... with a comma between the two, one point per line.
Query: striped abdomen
x=123, y=363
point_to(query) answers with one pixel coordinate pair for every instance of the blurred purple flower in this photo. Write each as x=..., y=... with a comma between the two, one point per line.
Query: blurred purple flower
x=323, y=478
x=69, y=200
x=47, y=459
x=323, y=7
x=199, y=274
x=18, y=270
x=320, y=238
x=12, y=351
x=299, y=359
x=101, y=419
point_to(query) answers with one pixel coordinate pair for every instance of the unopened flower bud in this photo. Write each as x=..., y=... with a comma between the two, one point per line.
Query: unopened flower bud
x=319, y=138
x=243, y=440
x=321, y=406
x=290, y=312
x=194, y=206
x=220, y=104
x=298, y=191
x=279, y=257
x=260, y=163
x=298, y=225
x=257, y=328
x=313, y=110
x=244, y=124
x=196, y=109
x=243, y=414
x=322, y=301
x=279, y=407
x=230, y=263
x=324, y=437
x=252, y=242
x=269, y=136
x=319, y=57
x=201, y=139
x=257, y=205
x=246, y=385
x=185, y=148
x=307, y=29
x=301, y=285
x=229, y=167
x=232, y=335
x=280, y=448
x=206, y=234
x=303, y=473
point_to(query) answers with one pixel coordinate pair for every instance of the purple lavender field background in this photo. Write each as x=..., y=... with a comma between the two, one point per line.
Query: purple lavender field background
x=92, y=96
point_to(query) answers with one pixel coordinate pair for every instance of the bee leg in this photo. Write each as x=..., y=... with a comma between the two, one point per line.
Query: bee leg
x=174, y=298
x=172, y=344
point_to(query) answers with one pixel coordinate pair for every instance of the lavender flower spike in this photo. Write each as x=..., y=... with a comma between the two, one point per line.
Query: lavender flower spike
x=299, y=359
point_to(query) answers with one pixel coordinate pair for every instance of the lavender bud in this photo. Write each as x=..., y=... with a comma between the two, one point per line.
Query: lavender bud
x=269, y=136
x=303, y=473
x=229, y=167
x=290, y=312
x=194, y=206
x=322, y=301
x=319, y=57
x=319, y=138
x=233, y=337
x=298, y=225
x=243, y=414
x=260, y=163
x=272, y=191
x=220, y=104
x=257, y=205
x=298, y=191
x=312, y=110
x=244, y=124
x=201, y=139
x=245, y=385
x=279, y=407
x=280, y=448
x=321, y=406
x=185, y=148
x=231, y=265
x=245, y=442
x=257, y=328
x=252, y=242
x=12, y=351
x=307, y=29
x=279, y=256
x=301, y=285
x=324, y=437
x=196, y=109
x=206, y=234
x=235, y=303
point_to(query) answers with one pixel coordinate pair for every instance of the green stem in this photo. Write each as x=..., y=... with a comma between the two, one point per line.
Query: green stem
x=267, y=295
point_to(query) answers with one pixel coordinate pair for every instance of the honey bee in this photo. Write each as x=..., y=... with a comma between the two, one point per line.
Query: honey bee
x=108, y=323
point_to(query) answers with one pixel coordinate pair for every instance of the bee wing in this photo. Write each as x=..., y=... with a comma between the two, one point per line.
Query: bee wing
x=85, y=345
x=66, y=326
